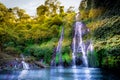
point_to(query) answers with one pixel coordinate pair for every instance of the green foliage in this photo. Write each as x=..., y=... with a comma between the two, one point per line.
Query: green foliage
x=112, y=61
x=31, y=50
x=108, y=30
x=36, y=36
x=50, y=8
x=109, y=61
x=66, y=58
x=93, y=59
x=93, y=13
x=57, y=58
x=43, y=51
x=41, y=10
x=103, y=21
x=57, y=20
x=108, y=52
x=12, y=51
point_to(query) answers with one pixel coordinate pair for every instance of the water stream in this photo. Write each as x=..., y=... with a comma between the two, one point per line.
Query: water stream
x=78, y=45
x=25, y=65
x=58, y=49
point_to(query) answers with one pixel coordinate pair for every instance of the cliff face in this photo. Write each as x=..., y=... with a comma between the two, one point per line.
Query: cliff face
x=108, y=8
x=108, y=4
x=103, y=19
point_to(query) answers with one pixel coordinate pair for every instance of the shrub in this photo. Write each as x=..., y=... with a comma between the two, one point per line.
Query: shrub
x=108, y=30
x=93, y=13
x=66, y=57
x=43, y=51
x=12, y=51
x=84, y=14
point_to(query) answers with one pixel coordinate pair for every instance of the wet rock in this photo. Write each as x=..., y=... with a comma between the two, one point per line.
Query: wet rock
x=40, y=64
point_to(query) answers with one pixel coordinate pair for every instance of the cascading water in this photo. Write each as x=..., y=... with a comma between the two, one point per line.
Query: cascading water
x=90, y=48
x=78, y=46
x=81, y=43
x=25, y=65
x=58, y=49
x=74, y=49
x=92, y=58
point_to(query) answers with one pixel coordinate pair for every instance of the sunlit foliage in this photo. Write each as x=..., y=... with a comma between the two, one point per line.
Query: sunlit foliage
x=36, y=36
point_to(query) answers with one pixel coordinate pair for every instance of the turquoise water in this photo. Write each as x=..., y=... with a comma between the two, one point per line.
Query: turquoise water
x=58, y=74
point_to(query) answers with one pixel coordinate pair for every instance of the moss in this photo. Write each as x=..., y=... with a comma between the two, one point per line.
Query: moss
x=104, y=23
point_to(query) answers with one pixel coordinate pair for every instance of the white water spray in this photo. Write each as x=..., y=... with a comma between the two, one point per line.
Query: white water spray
x=25, y=65
x=78, y=46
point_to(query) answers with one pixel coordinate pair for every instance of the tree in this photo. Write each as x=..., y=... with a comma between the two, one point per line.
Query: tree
x=6, y=15
x=49, y=8
x=21, y=14
x=70, y=9
x=42, y=10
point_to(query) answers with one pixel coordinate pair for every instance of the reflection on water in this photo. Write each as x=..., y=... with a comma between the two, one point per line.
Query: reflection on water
x=58, y=74
x=22, y=74
x=75, y=75
x=87, y=73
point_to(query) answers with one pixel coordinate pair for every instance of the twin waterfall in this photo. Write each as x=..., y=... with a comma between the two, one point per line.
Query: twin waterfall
x=79, y=46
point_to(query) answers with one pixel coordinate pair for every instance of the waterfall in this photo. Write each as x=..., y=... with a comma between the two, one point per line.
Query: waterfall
x=92, y=58
x=78, y=45
x=74, y=49
x=90, y=47
x=81, y=43
x=58, y=49
x=25, y=65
